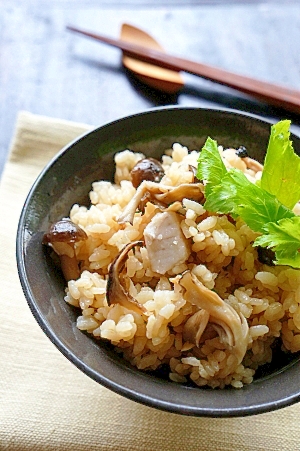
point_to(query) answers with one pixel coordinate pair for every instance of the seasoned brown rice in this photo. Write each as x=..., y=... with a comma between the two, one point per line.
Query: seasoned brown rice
x=221, y=258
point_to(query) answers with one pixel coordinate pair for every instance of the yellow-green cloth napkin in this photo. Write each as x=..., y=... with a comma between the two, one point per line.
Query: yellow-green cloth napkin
x=46, y=403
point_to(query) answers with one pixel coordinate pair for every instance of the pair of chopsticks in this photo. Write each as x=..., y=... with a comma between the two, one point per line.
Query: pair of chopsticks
x=272, y=94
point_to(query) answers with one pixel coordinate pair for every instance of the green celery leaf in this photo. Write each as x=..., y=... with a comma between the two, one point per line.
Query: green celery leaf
x=222, y=197
x=281, y=173
x=238, y=196
x=284, y=239
x=211, y=168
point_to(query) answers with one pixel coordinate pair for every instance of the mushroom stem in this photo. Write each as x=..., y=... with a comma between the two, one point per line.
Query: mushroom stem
x=69, y=267
x=162, y=195
x=131, y=207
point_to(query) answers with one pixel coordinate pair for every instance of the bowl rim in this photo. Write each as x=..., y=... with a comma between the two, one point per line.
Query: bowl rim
x=118, y=388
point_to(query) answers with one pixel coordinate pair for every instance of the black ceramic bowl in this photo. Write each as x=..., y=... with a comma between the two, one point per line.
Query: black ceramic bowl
x=66, y=180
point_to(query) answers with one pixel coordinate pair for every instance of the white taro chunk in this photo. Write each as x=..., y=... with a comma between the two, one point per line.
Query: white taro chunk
x=166, y=245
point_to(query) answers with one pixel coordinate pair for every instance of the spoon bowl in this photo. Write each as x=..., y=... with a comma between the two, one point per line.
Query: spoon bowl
x=166, y=80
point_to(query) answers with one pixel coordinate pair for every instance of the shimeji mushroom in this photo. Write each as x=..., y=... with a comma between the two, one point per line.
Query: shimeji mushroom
x=147, y=169
x=62, y=237
x=231, y=327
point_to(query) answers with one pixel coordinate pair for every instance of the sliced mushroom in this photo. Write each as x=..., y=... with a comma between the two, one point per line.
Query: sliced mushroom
x=193, y=169
x=253, y=164
x=62, y=237
x=162, y=195
x=192, y=191
x=165, y=242
x=116, y=293
x=250, y=162
x=232, y=328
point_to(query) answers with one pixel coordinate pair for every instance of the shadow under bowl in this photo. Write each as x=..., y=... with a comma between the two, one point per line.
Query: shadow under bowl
x=67, y=180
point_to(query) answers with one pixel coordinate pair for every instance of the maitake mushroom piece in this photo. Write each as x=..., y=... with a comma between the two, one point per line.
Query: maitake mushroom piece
x=62, y=237
x=231, y=327
x=116, y=292
x=195, y=326
x=162, y=195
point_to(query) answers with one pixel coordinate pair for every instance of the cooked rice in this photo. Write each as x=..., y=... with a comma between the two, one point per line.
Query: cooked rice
x=222, y=258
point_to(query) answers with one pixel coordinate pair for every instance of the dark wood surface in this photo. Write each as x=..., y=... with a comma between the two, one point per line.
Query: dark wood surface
x=46, y=70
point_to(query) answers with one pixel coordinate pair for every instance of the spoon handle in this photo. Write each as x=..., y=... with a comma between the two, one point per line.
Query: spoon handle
x=273, y=94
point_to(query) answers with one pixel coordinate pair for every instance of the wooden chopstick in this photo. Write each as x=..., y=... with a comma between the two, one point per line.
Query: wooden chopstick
x=279, y=96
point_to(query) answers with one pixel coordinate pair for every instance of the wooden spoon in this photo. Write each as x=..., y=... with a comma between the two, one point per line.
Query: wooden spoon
x=157, y=77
